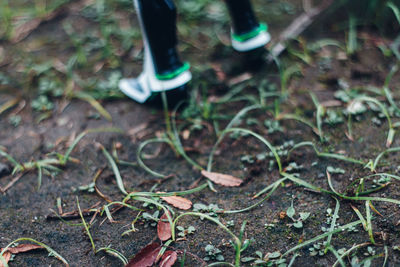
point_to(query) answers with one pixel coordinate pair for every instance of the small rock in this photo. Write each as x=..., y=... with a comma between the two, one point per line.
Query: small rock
x=4, y=170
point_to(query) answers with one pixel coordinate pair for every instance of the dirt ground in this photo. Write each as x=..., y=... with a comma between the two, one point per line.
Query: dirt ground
x=29, y=135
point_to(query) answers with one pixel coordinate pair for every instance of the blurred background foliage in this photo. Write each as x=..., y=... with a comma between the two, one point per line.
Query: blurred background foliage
x=57, y=48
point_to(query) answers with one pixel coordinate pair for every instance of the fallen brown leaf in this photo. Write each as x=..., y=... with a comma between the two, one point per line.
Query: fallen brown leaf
x=222, y=179
x=178, y=202
x=146, y=257
x=168, y=259
x=7, y=257
x=164, y=228
x=18, y=249
x=23, y=248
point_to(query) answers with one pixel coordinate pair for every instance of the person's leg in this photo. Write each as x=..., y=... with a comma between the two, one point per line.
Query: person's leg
x=162, y=68
x=247, y=32
x=159, y=22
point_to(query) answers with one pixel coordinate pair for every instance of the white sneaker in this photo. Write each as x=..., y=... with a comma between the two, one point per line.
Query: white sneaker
x=148, y=82
x=251, y=40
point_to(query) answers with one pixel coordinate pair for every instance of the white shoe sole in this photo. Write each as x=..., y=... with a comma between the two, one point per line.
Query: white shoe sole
x=141, y=88
x=257, y=41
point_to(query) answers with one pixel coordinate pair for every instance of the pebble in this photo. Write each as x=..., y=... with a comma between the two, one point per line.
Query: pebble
x=4, y=169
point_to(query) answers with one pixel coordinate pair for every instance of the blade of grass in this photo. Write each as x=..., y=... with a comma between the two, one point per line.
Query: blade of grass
x=107, y=210
x=369, y=220
x=39, y=177
x=320, y=114
x=155, y=203
x=322, y=236
x=333, y=224
x=324, y=42
x=115, y=169
x=349, y=251
x=17, y=166
x=237, y=242
x=114, y=253
x=286, y=75
x=177, y=142
x=351, y=46
x=86, y=226
x=139, y=155
x=391, y=131
x=394, y=201
x=94, y=103
x=361, y=217
x=323, y=154
x=64, y=158
x=336, y=254
x=395, y=10
x=299, y=119
x=378, y=158
x=259, y=137
x=293, y=259
x=272, y=187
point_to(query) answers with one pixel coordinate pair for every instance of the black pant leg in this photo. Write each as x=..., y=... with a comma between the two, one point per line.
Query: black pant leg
x=159, y=23
x=242, y=15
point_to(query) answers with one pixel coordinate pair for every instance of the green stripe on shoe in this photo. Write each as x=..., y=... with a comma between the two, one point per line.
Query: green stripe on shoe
x=175, y=73
x=246, y=36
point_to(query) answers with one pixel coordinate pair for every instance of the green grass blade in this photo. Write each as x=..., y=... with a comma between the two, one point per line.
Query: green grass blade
x=17, y=165
x=333, y=224
x=94, y=103
x=304, y=183
x=384, y=111
x=114, y=253
x=299, y=119
x=351, y=47
x=322, y=236
x=139, y=155
x=325, y=155
x=394, y=201
x=395, y=10
x=378, y=158
x=272, y=187
x=361, y=217
x=115, y=169
x=349, y=251
x=259, y=137
x=336, y=254
x=236, y=240
x=369, y=221
x=86, y=226
x=320, y=114
x=64, y=159
x=286, y=75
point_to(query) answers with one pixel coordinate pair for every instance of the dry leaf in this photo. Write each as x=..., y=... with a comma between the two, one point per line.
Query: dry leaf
x=222, y=179
x=178, y=202
x=146, y=257
x=7, y=257
x=18, y=249
x=168, y=259
x=23, y=248
x=164, y=228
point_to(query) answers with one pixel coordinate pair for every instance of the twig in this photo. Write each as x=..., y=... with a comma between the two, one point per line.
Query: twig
x=296, y=28
x=25, y=29
x=12, y=182
x=71, y=215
